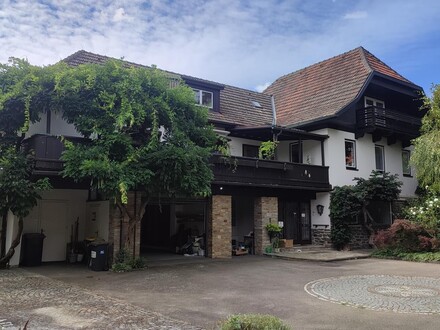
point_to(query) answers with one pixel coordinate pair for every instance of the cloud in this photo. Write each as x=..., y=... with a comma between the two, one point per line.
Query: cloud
x=260, y=88
x=119, y=15
x=241, y=43
x=356, y=15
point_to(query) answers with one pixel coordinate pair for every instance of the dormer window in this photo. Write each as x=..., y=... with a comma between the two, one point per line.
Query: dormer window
x=370, y=102
x=203, y=98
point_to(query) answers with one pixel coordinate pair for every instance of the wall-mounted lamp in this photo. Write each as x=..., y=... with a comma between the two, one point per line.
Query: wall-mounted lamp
x=320, y=209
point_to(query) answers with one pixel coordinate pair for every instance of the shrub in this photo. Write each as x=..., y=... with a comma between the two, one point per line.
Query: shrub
x=404, y=235
x=124, y=262
x=253, y=322
x=426, y=212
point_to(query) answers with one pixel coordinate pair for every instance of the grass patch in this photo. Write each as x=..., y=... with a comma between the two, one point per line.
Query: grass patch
x=407, y=256
x=253, y=322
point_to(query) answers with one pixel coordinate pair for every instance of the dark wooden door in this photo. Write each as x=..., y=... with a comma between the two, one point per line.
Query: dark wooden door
x=297, y=222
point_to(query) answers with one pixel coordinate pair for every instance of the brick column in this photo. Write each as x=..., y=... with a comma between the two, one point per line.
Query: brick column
x=265, y=211
x=219, y=227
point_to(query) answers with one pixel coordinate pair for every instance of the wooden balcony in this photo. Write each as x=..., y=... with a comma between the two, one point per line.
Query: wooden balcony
x=47, y=150
x=244, y=171
x=384, y=122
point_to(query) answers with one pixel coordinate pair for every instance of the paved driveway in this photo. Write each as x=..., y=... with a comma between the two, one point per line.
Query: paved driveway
x=202, y=292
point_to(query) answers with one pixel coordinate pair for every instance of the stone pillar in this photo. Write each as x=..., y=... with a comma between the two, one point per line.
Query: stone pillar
x=219, y=227
x=265, y=211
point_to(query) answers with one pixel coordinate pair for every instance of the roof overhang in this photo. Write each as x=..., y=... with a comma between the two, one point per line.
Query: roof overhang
x=266, y=133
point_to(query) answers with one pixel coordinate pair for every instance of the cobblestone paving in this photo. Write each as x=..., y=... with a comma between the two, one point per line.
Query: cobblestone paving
x=52, y=304
x=380, y=292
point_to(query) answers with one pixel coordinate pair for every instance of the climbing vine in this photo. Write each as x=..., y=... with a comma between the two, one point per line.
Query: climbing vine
x=348, y=203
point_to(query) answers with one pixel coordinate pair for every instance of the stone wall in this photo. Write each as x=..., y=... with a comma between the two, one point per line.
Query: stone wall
x=265, y=211
x=219, y=227
x=360, y=237
x=321, y=236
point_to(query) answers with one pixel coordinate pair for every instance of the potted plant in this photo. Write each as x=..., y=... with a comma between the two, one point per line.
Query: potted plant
x=273, y=229
x=267, y=150
x=276, y=244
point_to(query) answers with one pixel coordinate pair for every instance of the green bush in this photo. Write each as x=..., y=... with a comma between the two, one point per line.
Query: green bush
x=121, y=267
x=406, y=236
x=407, y=256
x=253, y=322
x=425, y=210
x=124, y=262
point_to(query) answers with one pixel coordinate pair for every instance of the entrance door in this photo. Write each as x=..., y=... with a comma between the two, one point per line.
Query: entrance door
x=297, y=223
x=54, y=226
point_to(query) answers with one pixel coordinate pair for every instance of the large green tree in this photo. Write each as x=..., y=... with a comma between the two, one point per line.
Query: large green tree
x=426, y=154
x=23, y=96
x=144, y=131
x=144, y=134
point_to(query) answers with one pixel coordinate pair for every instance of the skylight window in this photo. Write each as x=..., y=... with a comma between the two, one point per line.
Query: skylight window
x=256, y=104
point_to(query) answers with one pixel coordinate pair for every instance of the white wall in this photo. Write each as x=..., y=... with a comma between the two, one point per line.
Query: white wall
x=236, y=145
x=97, y=220
x=38, y=127
x=58, y=126
x=11, y=231
x=75, y=202
x=339, y=175
x=311, y=152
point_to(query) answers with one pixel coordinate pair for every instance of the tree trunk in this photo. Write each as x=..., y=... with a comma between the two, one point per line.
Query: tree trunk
x=4, y=262
x=3, y=234
x=368, y=226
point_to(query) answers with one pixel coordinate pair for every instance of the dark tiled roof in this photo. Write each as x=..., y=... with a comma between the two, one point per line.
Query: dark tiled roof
x=236, y=107
x=235, y=103
x=323, y=89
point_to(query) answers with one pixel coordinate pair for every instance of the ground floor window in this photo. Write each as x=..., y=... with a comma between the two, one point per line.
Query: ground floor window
x=406, y=168
x=379, y=152
x=350, y=154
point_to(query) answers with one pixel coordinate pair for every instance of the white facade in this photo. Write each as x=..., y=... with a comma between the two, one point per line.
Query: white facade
x=55, y=216
x=58, y=126
x=339, y=175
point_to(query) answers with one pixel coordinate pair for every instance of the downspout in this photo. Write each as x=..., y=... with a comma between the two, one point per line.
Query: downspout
x=274, y=119
x=274, y=112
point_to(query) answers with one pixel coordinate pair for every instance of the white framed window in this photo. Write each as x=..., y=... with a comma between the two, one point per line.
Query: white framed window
x=406, y=167
x=203, y=98
x=379, y=152
x=350, y=154
x=296, y=152
x=370, y=102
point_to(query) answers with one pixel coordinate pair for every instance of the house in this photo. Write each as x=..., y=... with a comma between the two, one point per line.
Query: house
x=334, y=120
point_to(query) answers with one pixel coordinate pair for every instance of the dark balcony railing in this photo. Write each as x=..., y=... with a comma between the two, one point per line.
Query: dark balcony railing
x=268, y=173
x=47, y=150
x=372, y=119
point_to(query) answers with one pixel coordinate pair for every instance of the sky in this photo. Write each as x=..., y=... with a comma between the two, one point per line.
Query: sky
x=248, y=44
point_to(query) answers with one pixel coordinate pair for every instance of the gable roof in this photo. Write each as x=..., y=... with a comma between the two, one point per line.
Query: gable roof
x=323, y=89
x=236, y=107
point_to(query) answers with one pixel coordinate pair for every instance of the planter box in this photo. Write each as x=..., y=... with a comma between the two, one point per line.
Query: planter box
x=239, y=252
x=286, y=243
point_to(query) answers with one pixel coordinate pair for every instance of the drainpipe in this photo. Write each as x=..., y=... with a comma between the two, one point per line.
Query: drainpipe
x=274, y=111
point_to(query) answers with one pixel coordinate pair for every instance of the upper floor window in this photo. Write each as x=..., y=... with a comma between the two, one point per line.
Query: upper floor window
x=379, y=152
x=204, y=98
x=250, y=151
x=370, y=102
x=296, y=152
x=350, y=154
x=406, y=168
